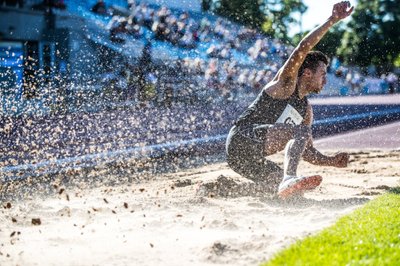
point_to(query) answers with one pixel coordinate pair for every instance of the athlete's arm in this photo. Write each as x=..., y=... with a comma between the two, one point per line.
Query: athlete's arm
x=312, y=155
x=284, y=82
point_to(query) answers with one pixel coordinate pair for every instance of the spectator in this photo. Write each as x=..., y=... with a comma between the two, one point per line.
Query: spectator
x=131, y=5
x=100, y=8
x=133, y=28
x=187, y=40
x=212, y=74
x=384, y=84
x=116, y=26
x=148, y=16
x=392, y=81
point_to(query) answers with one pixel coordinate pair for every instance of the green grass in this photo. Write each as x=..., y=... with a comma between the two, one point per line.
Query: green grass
x=368, y=236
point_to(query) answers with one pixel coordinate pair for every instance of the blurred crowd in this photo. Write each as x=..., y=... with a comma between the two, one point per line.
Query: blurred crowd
x=220, y=43
x=231, y=59
x=224, y=44
x=228, y=77
x=354, y=82
x=179, y=28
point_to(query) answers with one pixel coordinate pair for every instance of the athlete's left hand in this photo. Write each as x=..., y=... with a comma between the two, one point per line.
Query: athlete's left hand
x=342, y=10
x=341, y=160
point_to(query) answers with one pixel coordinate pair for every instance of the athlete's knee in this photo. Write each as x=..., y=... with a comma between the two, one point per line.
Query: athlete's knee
x=231, y=160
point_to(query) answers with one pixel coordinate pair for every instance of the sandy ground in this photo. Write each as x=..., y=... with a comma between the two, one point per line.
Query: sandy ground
x=169, y=220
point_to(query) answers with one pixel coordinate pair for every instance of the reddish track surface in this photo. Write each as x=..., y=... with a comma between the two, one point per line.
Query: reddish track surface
x=381, y=137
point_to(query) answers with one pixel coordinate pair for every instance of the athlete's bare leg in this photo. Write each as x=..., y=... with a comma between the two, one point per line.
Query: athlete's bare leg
x=293, y=137
x=294, y=150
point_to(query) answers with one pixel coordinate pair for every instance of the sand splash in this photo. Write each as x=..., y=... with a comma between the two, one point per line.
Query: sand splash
x=165, y=220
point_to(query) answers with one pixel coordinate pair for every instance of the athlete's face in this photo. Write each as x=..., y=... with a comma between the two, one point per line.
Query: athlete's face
x=318, y=78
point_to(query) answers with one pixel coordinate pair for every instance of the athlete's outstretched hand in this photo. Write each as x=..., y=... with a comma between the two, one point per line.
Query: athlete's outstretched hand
x=341, y=160
x=342, y=10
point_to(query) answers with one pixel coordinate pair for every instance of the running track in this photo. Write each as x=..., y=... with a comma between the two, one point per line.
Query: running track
x=39, y=145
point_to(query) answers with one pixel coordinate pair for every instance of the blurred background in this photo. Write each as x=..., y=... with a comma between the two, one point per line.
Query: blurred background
x=79, y=78
x=63, y=56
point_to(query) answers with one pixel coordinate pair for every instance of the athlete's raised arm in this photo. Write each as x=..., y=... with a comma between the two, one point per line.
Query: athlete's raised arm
x=286, y=78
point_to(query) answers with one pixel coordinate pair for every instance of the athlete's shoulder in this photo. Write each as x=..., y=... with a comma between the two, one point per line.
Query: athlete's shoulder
x=276, y=90
x=282, y=86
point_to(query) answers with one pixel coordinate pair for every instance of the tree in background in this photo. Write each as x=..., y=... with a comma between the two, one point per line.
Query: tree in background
x=279, y=16
x=244, y=12
x=329, y=44
x=373, y=35
x=206, y=5
x=270, y=16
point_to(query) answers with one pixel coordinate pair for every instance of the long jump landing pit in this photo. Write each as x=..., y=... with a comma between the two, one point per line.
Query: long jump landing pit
x=164, y=220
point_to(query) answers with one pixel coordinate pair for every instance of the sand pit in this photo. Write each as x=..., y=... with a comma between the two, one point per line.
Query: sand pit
x=165, y=220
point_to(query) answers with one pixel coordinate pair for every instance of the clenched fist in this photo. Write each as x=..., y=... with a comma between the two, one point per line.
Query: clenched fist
x=341, y=160
x=342, y=10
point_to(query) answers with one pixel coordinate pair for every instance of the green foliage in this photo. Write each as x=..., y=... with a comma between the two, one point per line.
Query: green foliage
x=273, y=17
x=397, y=61
x=373, y=35
x=331, y=41
x=280, y=14
x=329, y=44
x=369, y=236
x=206, y=5
x=245, y=12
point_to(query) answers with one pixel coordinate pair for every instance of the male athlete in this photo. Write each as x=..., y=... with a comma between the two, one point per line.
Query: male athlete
x=281, y=117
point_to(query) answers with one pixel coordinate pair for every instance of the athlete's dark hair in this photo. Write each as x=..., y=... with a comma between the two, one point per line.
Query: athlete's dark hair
x=312, y=61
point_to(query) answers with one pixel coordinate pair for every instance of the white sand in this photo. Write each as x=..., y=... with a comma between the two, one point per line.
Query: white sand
x=169, y=225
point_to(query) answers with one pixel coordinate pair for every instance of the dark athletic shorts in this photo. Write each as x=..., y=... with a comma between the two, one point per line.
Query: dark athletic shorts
x=244, y=149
